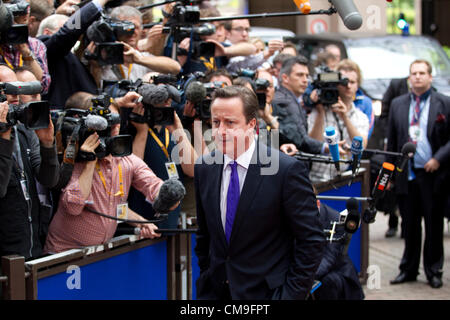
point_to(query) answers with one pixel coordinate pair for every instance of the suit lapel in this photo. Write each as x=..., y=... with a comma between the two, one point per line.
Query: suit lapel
x=432, y=113
x=404, y=115
x=252, y=181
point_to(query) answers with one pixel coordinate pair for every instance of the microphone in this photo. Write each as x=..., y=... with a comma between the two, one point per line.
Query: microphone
x=195, y=92
x=353, y=221
x=349, y=13
x=303, y=5
x=356, y=150
x=378, y=191
x=408, y=151
x=331, y=139
x=170, y=193
x=122, y=230
x=95, y=122
x=153, y=95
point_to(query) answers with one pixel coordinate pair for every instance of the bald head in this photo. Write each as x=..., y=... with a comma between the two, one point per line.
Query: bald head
x=7, y=75
x=26, y=76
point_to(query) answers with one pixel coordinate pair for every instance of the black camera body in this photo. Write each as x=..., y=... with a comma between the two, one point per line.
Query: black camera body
x=16, y=34
x=79, y=124
x=33, y=115
x=327, y=83
x=203, y=110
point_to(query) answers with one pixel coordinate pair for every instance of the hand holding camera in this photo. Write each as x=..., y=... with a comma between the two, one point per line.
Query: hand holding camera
x=46, y=135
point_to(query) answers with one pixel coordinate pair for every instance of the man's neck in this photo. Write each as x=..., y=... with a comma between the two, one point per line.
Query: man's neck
x=419, y=91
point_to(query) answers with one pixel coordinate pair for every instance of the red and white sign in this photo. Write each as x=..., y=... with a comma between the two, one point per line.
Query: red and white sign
x=318, y=26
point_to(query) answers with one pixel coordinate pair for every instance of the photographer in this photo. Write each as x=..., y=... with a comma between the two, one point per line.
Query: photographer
x=101, y=183
x=25, y=157
x=268, y=90
x=59, y=35
x=343, y=115
x=164, y=147
x=136, y=63
x=30, y=52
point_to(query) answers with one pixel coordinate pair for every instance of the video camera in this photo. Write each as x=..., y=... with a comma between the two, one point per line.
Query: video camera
x=13, y=33
x=105, y=32
x=327, y=83
x=79, y=124
x=33, y=115
x=261, y=86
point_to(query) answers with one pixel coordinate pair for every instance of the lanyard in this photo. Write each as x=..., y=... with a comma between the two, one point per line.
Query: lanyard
x=100, y=173
x=163, y=147
x=123, y=73
x=9, y=63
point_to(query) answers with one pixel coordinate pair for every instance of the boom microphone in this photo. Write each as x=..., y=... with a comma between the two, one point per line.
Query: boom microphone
x=303, y=5
x=195, y=92
x=19, y=87
x=170, y=193
x=153, y=95
x=408, y=151
x=349, y=13
x=353, y=220
x=356, y=149
x=96, y=123
x=331, y=139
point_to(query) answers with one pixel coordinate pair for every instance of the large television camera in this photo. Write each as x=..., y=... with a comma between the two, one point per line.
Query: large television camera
x=200, y=94
x=13, y=33
x=105, y=32
x=79, y=124
x=33, y=115
x=326, y=83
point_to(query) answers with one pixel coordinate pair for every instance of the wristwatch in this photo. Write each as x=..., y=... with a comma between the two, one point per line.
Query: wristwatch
x=31, y=57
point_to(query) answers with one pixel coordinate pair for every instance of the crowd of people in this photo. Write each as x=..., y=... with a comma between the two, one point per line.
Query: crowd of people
x=244, y=87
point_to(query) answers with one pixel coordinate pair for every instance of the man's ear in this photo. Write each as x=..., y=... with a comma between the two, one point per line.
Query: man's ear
x=284, y=78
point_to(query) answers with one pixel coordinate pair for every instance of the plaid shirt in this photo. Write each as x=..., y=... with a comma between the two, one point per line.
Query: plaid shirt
x=323, y=171
x=73, y=226
x=40, y=51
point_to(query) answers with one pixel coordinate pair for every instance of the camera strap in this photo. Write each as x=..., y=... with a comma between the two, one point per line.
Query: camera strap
x=119, y=193
x=8, y=62
x=158, y=141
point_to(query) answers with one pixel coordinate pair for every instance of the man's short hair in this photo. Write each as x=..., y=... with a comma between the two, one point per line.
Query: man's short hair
x=288, y=64
x=217, y=73
x=40, y=9
x=126, y=11
x=349, y=65
x=51, y=22
x=79, y=100
x=247, y=96
x=429, y=66
x=280, y=58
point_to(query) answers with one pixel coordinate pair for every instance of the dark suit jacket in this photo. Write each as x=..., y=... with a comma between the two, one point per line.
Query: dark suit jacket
x=276, y=242
x=438, y=134
x=68, y=74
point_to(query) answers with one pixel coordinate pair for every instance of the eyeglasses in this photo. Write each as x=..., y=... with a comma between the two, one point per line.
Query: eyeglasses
x=242, y=29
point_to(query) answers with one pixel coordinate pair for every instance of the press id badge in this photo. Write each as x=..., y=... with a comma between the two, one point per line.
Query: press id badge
x=122, y=211
x=172, y=170
x=414, y=133
x=23, y=183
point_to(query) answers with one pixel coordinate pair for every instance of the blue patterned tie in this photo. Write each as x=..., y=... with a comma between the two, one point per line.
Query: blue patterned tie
x=232, y=199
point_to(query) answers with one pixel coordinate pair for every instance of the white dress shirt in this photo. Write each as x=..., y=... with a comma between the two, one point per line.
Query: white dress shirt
x=243, y=162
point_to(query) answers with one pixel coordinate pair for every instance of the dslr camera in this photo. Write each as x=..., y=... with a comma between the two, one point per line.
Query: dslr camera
x=79, y=124
x=105, y=33
x=33, y=115
x=327, y=83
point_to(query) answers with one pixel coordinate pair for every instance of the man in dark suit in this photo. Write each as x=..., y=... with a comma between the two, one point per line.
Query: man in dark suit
x=422, y=117
x=259, y=231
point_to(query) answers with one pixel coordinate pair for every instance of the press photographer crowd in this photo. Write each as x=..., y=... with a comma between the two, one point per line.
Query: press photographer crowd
x=111, y=121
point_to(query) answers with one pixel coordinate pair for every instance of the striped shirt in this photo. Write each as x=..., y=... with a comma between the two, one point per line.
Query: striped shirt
x=40, y=51
x=73, y=226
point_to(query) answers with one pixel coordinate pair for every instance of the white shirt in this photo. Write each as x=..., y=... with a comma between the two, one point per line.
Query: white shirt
x=136, y=71
x=243, y=162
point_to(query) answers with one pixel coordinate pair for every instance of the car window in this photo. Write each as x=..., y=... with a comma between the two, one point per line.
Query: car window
x=384, y=58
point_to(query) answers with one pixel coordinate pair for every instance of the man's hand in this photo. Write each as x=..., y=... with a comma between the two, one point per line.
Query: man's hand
x=155, y=32
x=68, y=7
x=220, y=49
x=274, y=46
x=91, y=143
x=130, y=55
x=432, y=165
x=148, y=230
x=140, y=127
x=340, y=109
x=46, y=136
x=342, y=146
x=4, y=108
x=130, y=100
x=189, y=109
x=176, y=124
x=289, y=148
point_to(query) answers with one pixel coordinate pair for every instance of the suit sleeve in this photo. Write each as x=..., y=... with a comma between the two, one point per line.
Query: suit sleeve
x=392, y=133
x=302, y=216
x=6, y=163
x=59, y=44
x=202, y=237
x=443, y=153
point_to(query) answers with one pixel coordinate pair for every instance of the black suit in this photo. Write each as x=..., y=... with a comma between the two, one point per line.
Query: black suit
x=426, y=195
x=276, y=242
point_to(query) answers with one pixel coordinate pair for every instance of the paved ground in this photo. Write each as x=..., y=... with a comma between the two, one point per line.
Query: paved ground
x=386, y=254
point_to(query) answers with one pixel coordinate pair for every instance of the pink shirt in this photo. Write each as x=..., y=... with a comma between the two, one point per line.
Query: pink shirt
x=74, y=227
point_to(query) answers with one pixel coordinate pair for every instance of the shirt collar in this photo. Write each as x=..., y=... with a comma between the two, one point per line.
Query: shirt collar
x=243, y=160
x=422, y=97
